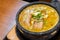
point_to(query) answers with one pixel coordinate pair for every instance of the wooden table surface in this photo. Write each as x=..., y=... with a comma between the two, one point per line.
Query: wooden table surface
x=8, y=11
x=13, y=36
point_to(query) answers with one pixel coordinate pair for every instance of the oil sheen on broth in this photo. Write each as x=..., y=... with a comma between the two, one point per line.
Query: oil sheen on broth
x=38, y=18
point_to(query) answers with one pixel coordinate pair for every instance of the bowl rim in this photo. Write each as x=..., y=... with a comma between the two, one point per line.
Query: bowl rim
x=36, y=33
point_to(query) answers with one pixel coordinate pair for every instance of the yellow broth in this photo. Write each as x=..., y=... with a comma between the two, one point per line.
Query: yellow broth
x=47, y=20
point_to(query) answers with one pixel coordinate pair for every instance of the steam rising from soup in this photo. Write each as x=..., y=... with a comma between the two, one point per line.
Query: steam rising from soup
x=38, y=18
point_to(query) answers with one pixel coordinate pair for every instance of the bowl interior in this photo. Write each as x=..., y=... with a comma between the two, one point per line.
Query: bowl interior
x=35, y=33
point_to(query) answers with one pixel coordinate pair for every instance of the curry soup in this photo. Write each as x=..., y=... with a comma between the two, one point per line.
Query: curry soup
x=38, y=18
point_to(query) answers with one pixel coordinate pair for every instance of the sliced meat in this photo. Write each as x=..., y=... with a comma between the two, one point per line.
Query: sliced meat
x=38, y=25
x=27, y=20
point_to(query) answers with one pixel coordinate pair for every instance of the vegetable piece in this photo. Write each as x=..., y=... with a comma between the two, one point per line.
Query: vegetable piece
x=45, y=16
x=38, y=16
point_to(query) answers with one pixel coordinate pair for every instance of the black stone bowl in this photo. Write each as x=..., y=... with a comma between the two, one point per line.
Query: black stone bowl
x=37, y=35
